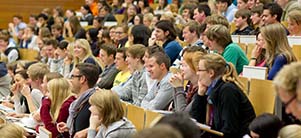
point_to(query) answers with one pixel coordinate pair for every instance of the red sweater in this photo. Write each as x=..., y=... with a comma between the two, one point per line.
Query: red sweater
x=63, y=115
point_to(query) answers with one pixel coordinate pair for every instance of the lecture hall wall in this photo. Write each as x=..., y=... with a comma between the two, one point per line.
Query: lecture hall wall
x=8, y=8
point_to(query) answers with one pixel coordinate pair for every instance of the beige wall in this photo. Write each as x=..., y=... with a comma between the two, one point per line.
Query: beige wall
x=8, y=8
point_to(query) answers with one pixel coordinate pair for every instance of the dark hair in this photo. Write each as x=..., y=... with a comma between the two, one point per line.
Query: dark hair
x=93, y=32
x=109, y=48
x=182, y=123
x=52, y=42
x=204, y=8
x=90, y=71
x=60, y=11
x=274, y=9
x=63, y=45
x=57, y=27
x=223, y=1
x=245, y=14
x=266, y=125
x=23, y=73
x=44, y=16
x=161, y=58
x=190, y=7
x=193, y=27
x=140, y=17
x=18, y=16
x=123, y=51
x=106, y=8
x=257, y=9
x=141, y=34
x=34, y=16
x=167, y=26
x=87, y=8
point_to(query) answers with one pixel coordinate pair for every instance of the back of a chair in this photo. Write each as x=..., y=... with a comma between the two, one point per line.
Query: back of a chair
x=246, y=83
x=297, y=51
x=151, y=117
x=44, y=133
x=136, y=115
x=294, y=40
x=243, y=46
x=28, y=54
x=247, y=39
x=255, y=72
x=262, y=96
x=250, y=47
x=235, y=38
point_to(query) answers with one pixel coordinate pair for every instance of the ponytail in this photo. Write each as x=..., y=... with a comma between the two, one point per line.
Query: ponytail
x=230, y=75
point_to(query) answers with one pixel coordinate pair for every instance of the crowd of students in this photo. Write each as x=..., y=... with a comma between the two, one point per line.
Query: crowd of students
x=76, y=85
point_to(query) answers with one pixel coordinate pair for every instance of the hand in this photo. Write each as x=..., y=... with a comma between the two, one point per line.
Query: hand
x=36, y=116
x=15, y=89
x=62, y=127
x=256, y=51
x=81, y=134
x=94, y=121
x=177, y=80
x=202, y=89
x=11, y=25
x=25, y=90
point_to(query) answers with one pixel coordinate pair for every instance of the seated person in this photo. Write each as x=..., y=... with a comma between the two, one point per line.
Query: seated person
x=121, y=65
x=242, y=22
x=107, y=115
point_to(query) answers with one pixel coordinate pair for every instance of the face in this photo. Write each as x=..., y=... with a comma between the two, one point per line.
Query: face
x=281, y=3
x=104, y=57
x=120, y=62
x=61, y=53
x=19, y=79
x=241, y=4
x=221, y=6
x=68, y=14
x=112, y=33
x=251, y=3
x=145, y=57
x=146, y=22
x=188, y=36
x=293, y=27
x=3, y=45
x=255, y=17
x=187, y=71
x=16, y=20
x=291, y=105
x=154, y=69
x=56, y=32
x=93, y=110
x=131, y=10
x=199, y=17
x=260, y=41
x=83, y=11
x=185, y=14
x=96, y=24
x=267, y=18
x=160, y=34
x=154, y=21
x=32, y=21
x=131, y=61
x=239, y=22
x=119, y=33
x=75, y=80
x=204, y=74
x=79, y=51
x=136, y=20
x=102, y=13
x=49, y=51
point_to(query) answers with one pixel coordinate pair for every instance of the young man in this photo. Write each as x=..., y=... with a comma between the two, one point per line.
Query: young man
x=272, y=13
x=135, y=88
x=50, y=47
x=256, y=18
x=226, y=8
x=191, y=34
x=83, y=80
x=188, y=11
x=219, y=39
x=160, y=94
x=121, y=65
x=107, y=56
x=201, y=12
x=11, y=53
x=242, y=22
x=57, y=32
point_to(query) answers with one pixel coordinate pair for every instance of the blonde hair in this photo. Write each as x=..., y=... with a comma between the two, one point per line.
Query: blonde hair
x=287, y=78
x=276, y=43
x=10, y=130
x=290, y=131
x=295, y=16
x=109, y=106
x=83, y=43
x=37, y=71
x=60, y=90
x=220, y=34
x=192, y=59
x=222, y=68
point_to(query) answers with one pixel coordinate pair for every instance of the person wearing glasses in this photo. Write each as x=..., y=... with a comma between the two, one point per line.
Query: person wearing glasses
x=83, y=80
x=288, y=86
x=229, y=110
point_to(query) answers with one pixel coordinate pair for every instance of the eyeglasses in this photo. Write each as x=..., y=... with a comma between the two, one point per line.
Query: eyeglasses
x=290, y=101
x=202, y=69
x=118, y=32
x=75, y=76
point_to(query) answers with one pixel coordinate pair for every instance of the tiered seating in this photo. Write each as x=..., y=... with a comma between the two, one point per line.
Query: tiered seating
x=28, y=54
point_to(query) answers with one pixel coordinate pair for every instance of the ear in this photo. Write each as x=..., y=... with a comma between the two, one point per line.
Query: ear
x=275, y=16
x=166, y=33
x=211, y=73
x=82, y=79
x=162, y=66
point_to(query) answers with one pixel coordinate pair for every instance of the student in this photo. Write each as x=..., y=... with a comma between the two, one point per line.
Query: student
x=121, y=65
x=230, y=111
x=290, y=131
x=226, y=8
x=107, y=115
x=279, y=53
x=294, y=23
x=242, y=22
x=57, y=32
x=219, y=39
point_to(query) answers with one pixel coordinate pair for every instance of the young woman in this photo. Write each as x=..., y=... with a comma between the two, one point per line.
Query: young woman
x=278, y=51
x=183, y=99
x=166, y=33
x=230, y=110
x=55, y=108
x=73, y=29
x=294, y=23
x=107, y=114
x=258, y=53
